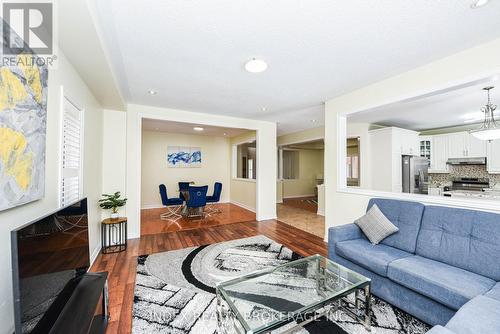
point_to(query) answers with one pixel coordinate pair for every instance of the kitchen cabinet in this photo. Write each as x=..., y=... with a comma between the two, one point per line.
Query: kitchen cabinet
x=387, y=145
x=476, y=148
x=493, y=157
x=457, y=143
x=439, y=154
x=464, y=145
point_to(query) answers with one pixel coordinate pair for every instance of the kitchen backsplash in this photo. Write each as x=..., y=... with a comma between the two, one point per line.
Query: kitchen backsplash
x=439, y=180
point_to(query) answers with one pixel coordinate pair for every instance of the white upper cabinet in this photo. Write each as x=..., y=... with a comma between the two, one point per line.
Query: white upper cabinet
x=476, y=148
x=493, y=157
x=439, y=154
x=457, y=143
x=464, y=145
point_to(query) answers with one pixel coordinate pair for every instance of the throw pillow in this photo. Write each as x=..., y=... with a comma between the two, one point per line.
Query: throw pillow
x=375, y=225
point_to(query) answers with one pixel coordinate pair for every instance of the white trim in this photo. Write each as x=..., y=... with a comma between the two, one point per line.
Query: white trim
x=94, y=255
x=299, y=196
x=321, y=213
x=244, y=180
x=243, y=206
x=446, y=201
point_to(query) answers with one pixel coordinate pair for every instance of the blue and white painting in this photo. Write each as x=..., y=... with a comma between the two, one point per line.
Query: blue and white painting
x=186, y=157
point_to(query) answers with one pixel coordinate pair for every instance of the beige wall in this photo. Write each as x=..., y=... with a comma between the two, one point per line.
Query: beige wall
x=302, y=136
x=66, y=76
x=310, y=166
x=243, y=193
x=215, y=166
x=471, y=64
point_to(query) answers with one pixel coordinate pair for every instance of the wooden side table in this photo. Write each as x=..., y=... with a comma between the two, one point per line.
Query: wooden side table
x=114, y=235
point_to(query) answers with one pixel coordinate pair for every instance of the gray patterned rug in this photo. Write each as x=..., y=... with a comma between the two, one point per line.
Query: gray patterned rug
x=175, y=290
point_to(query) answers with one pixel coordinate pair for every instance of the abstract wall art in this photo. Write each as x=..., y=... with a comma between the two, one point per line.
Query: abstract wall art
x=23, y=119
x=184, y=157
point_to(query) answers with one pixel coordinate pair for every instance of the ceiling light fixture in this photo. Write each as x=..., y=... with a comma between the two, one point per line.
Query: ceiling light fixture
x=197, y=128
x=255, y=65
x=152, y=92
x=313, y=121
x=479, y=3
x=263, y=108
x=489, y=130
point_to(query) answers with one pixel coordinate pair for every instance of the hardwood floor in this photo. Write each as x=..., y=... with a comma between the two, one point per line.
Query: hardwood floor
x=304, y=203
x=229, y=214
x=122, y=266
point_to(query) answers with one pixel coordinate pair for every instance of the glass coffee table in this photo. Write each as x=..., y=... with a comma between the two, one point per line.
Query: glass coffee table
x=290, y=296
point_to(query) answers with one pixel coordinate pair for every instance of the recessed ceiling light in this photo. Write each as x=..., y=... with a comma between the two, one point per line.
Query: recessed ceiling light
x=263, y=108
x=255, y=65
x=479, y=3
x=197, y=128
x=313, y=120
x=152, y=92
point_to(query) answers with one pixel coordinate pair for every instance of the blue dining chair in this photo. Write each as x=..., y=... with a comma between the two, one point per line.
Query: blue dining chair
x=197, y=200
x=215, y=198
x=172, y=204
x=183, y=186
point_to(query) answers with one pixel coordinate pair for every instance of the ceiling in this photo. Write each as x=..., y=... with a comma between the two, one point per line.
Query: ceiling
x=187, y=128
x=193, y=52
x=457, y=107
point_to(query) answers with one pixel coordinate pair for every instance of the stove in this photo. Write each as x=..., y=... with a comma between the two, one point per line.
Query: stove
x=470, y=183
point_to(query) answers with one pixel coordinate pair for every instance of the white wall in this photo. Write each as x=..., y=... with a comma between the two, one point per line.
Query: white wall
x=75, y=88
x=215, y=166
x=114, y=154
x=343, y=208
x=266, y=156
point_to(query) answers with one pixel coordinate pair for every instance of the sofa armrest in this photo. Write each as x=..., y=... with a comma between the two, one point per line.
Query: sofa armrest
x=440, y=330
x=341, y=233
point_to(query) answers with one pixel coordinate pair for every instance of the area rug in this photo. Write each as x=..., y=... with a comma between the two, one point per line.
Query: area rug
x=175, y=291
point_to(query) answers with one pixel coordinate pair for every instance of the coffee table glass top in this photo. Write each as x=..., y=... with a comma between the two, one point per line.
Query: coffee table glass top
x=267, y=299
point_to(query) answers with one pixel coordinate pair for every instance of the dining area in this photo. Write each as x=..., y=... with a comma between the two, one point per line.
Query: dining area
x=192, y=201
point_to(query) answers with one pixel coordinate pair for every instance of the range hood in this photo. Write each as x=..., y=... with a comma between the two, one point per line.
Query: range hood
x=466, y=161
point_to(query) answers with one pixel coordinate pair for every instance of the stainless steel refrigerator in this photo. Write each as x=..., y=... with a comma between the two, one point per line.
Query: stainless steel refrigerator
x=415, y=174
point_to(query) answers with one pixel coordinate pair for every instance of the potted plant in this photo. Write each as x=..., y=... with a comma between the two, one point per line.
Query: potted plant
x=112, y=202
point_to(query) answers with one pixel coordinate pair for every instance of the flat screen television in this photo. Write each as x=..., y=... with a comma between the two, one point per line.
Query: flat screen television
x=49, y=257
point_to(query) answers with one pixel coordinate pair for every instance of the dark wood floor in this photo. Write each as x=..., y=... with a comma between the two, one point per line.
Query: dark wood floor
x=303, y=203
x=227, y=214
x=121, y=266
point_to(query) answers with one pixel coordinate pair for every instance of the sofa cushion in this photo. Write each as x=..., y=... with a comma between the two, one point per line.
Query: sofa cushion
x=451, y=286
x=372, y=257
x=406, y=216
x=494, y=292
x=481, y=315
x=466, y=239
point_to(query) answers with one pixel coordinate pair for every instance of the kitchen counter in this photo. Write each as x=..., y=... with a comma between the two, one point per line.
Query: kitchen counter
x=488, y=194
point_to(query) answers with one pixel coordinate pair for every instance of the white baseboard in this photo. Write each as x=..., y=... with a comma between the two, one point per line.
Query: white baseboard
x=94, y=255
x=266, y=218
x=299, y=196
x=243, y=206
x=320, y=213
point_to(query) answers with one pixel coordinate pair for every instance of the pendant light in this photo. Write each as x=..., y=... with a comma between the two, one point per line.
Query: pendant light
x=489, y=130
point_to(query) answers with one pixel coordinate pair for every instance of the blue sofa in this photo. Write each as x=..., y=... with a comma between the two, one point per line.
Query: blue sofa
x=443, y=266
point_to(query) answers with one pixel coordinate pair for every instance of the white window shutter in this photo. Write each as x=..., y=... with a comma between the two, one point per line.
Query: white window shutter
x=71, y=169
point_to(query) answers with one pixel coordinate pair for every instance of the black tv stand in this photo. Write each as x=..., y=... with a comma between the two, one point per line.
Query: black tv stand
x=87, y=309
